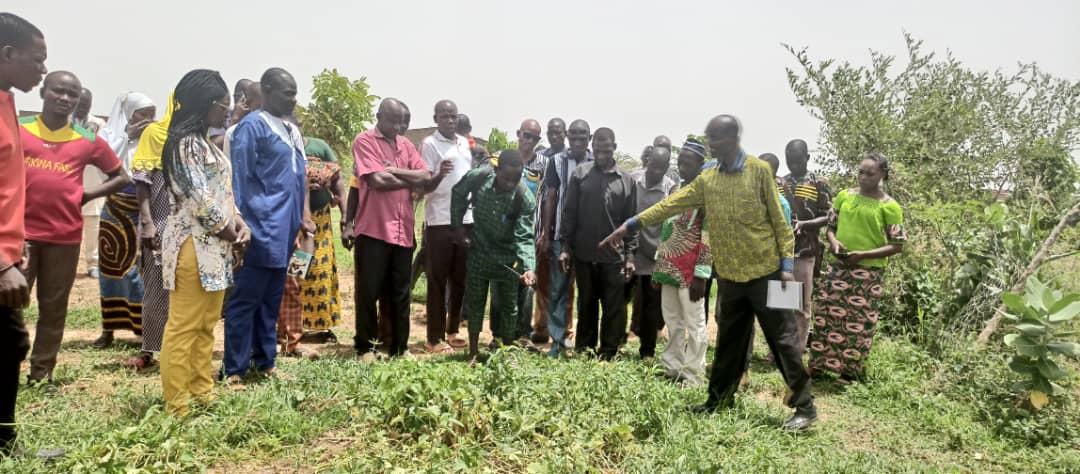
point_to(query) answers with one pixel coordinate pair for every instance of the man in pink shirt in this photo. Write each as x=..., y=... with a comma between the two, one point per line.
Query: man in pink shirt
x=386, y=168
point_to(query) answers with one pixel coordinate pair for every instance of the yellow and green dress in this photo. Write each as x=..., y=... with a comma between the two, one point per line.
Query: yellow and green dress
x=320, y=293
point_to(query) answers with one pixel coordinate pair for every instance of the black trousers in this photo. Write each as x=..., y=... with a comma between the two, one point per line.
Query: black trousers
x=525, y=311
x=383, y=272
x=14, y=343
x=600, y=284
x=651, y=318
x=739, y=302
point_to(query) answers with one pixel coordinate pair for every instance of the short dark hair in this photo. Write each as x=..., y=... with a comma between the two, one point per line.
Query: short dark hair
x=882, y=162
x=17, y=32
x=272, y=77
x=510, y=156
x=604, y=132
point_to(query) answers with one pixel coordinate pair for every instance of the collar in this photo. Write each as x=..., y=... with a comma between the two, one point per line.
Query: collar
x=38, y=128
x=440, y=137
x=740, y=163
x=660, y=186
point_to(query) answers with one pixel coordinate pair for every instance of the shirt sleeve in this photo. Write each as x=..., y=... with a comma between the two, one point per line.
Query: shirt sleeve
x=104, y=158
x=325, y=152
x=834, y=211
x=524, y=241
x=569, y=214
x=366, y=157
x=193, y=157
x=242, y=154
x=824, y=196
x=630, y=240
x=894, y=223
x=686, y=198
x=429, y=155
x=785, y=239
x=459, y=197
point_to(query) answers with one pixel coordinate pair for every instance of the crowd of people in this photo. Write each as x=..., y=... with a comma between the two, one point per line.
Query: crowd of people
x=207, y=210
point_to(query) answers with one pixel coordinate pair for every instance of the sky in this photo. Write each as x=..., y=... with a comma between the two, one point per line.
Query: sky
x=641, y=68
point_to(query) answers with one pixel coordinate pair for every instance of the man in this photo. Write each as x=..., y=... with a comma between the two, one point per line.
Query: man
x=683, y=265
x=22, y=65
x=774, y=165
x=250, y=100
x=556, y=135
x=269, y=185
x=599, y=195
x=241, y=107
x=556, y=181
x=637, y=172
x=57, y=152
x=751, y=244
x=501, y=254
x=532, y=172
x=651, y=187
x=386, y=167
x=662, y=141
x=444, y=256
x=811, y=200
x=92, y=177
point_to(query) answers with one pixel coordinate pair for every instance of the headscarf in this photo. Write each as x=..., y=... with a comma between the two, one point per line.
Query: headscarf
x=115, y=130
x=148, y=154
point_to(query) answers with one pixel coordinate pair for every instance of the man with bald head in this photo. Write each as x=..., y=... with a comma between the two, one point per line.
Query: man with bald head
x=444, y=256
x=751, y=245
x=56, y=153
x=811, y=200
x=270, y=187
x=386, y=167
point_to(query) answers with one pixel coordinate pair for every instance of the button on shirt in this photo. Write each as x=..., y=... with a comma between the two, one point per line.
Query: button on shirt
x=435, y=149
x=649, y=237
x=597, y=202
x=384, y=215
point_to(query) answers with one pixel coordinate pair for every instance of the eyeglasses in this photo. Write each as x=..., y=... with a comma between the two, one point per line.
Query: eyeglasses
x=219, y=104
x=531, y=136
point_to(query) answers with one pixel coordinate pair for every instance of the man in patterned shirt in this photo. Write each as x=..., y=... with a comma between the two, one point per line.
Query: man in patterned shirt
x=810, y=199
x=502, y=254
x=751, y=245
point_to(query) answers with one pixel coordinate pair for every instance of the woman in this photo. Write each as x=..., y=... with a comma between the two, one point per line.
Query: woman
x=319, y=292
x=153, y=199
x=865, y=229
x=198, y=239
x=121, y=287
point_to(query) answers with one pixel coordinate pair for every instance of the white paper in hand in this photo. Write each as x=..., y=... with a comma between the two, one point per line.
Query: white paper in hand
x=786, y=299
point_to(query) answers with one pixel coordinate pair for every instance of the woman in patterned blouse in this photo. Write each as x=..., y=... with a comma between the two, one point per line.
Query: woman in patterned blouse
x=201, y=230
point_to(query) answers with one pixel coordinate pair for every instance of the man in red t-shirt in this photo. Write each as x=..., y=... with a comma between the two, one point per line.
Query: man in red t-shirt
x=22, y=63
x=55, y=154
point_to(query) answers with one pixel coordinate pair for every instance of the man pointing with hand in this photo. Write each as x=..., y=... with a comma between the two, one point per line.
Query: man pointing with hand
x=751, y=244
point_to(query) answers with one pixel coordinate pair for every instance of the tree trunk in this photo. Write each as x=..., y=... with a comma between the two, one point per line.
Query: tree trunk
x=1036, y=261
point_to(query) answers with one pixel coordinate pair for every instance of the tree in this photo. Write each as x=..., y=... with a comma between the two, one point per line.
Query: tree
x=497, y=141
x=340, y=109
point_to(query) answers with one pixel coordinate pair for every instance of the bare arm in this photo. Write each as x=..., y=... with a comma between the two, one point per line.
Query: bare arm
x=385, y=181
x=116, y=181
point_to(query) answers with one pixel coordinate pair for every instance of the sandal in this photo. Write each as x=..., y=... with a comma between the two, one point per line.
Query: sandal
x=235, y=383
x=456, y=341
x=303, y=353
x=440, y=348
x=140, y=361
x=104, y=341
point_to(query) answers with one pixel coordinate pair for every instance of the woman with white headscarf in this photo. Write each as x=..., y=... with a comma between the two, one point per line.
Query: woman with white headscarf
x=118, y=243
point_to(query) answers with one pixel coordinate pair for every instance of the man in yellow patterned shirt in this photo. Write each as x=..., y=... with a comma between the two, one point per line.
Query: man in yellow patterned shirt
x=751, y=244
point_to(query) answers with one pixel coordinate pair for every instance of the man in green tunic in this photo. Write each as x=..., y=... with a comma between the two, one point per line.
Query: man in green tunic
x=501, y=251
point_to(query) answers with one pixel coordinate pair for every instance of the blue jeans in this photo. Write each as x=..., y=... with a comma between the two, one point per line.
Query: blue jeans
x=560, y=286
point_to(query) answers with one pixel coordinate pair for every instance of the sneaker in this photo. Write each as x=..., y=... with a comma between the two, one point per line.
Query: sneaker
x=235, y=383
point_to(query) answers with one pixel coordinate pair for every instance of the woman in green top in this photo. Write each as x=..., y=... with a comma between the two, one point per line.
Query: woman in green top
x=865, y=228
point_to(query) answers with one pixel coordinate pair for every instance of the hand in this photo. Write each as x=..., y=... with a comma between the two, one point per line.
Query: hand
x=798, y=228
x=654, y=284
x=615, y=240
x=564, y=261
x=543, y=243
x=228, y=234
x=335, y=201
x=836, y=247
x=313, y=186
x=628, y=270
x=24, y=262
x=134, y=130
x=348, y=235
x=14, y=292
x=461, y=236
x=243, y=233
x=853, y=258
x=786, y=277
x=445, y=167
x=697, y=289
x=308, y=226
x=528, y=278
x=147, y=236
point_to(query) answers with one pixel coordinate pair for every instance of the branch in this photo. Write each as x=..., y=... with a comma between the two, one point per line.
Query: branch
x=1036, y=261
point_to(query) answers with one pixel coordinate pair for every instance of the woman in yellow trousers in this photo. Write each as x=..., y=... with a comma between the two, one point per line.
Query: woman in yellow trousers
x=200, y=234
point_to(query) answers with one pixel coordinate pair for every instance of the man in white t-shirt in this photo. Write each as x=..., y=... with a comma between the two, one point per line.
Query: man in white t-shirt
x=445, y=256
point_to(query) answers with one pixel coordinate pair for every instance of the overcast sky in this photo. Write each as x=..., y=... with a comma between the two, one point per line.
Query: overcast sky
x=641, y=68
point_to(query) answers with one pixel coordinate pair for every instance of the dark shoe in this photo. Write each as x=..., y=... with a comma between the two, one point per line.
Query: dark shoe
x=539, y=338
x=801, y=420
x=104, y=341
x=704, y=408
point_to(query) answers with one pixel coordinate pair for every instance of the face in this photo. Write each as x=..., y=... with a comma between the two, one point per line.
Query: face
x=657, y=166
x=603, y=150
x=390, y=121
x=446, y=119
x=61, y=95
x=508, y=175
x=215, y=117
x=556, y=134
x=796, y=161
x=689, y=165
x=144, y=114
x=86, y=101
x=870, y=175
x=25, y=66
x=723, y=140
x=528, y=136
x=579, y=139
x=280, y=98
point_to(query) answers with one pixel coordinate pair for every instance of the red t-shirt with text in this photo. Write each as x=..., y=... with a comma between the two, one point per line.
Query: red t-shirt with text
x=55, y=160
